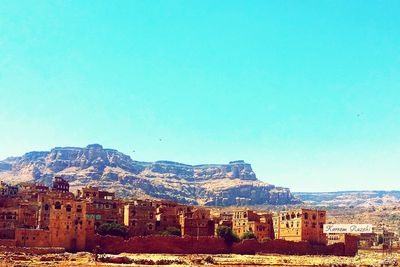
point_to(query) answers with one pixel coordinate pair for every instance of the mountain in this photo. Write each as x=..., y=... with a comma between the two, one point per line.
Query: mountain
x=210, y=184
x=357, y=199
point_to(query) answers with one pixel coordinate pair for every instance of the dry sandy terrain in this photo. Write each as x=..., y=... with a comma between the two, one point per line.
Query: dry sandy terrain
x=364, y=258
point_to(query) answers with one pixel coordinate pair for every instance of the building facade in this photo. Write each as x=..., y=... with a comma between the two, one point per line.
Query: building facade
x=261, y=225
x=301, y=225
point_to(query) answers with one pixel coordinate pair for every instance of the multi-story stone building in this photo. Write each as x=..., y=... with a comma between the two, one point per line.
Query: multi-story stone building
x=301, y=225
x=8, y=222
x=167, y=215
x=60, y=185
x=62, y=220
x=7, y=189
x=38, y=216
x=260, y=225
x=102, y=206
x=140, y=217
x=197, y=222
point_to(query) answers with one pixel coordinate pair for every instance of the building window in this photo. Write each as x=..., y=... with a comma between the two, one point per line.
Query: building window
x=57, y=206
x=46, y=207
x=68, y=208
x=79, y=208
x=306, y=216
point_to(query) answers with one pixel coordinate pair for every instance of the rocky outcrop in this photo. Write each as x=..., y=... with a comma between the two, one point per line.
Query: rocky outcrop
x=212, y=184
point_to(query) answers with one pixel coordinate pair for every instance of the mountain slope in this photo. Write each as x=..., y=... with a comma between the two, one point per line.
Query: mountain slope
x=215, y=184
x=359, y=199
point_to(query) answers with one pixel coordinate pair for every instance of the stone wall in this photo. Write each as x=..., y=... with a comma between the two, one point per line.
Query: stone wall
x=159, y=244
x=214, y=245
x=33, y=238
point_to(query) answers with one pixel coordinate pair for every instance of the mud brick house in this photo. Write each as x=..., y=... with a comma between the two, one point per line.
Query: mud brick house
x=167, y=215
x=67, y=221
x=301, y=225
x=43, y=217
x=8, y=222
x=197, y=222
x=60, y=185
x=368, y=240
x=260, y=225
x=140, y=217
x=102, y=206
x=8, y=190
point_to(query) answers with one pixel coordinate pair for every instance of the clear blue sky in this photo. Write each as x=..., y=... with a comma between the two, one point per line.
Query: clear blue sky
x=308, y=92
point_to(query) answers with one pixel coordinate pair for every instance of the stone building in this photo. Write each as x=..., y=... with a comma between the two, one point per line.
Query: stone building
x=167, y=215
x=260, y=225
x=140, y=217
x=367, y=240
x=60, y=185
x=102, y=206
x=301, y=225
x=197, y=222
x=8, y=222
x=7, y=189
x=42, y=217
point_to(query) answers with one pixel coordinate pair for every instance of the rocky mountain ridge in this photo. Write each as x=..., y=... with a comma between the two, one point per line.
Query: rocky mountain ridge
x=355, y=199
x=208, y=184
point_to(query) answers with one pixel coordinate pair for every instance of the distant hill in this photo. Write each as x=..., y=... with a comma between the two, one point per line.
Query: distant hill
x=210, y=184
x=350, y=198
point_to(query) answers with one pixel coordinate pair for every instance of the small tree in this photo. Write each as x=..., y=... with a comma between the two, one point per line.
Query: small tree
x=248, y=235
x=226, y=233
x=171, y=231
x=113, y=229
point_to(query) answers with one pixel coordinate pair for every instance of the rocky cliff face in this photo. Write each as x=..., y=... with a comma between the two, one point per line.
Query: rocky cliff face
x=227, y=184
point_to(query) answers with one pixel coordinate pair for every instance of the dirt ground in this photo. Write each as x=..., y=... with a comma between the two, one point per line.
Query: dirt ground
x=364, y=258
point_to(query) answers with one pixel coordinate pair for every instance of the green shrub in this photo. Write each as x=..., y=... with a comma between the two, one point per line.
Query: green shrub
x=171, y=231
x=113, y=229
x=248, y=235
x=226, y=233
